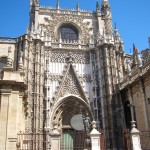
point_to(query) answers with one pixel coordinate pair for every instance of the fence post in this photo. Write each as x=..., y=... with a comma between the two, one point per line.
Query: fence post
x=55, y=138
x=135, y=137
x=95, y=138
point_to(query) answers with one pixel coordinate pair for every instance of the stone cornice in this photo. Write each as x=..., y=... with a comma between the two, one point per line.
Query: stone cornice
x=67, y=50
x=49, y=10
x=8, y=40
x=134, y=75
x=8, y=83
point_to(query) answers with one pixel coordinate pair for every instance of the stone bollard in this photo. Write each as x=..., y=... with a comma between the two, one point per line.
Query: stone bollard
x=95, y=137
x=135, y=137
x=55, y=138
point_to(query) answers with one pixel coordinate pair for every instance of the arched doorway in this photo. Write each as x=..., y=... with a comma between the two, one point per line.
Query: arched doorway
x=65, y=109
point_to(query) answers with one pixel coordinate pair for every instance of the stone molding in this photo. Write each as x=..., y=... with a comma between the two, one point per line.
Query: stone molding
x=135, y=75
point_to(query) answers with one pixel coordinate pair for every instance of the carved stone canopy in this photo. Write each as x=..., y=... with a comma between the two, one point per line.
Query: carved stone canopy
x=66, y=108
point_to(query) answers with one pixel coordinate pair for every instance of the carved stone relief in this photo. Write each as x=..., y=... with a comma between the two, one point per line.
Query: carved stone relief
x=56, y=77
x=52, y=26
x=82, y=78
x=70, y=84
x=78, y=58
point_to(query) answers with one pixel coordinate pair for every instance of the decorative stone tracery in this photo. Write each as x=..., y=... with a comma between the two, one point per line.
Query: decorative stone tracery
x=60, y=57
x=70, y=85
x=66, y=108
x=53, y=24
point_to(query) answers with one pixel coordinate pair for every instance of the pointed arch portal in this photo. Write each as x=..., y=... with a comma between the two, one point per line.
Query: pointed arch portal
x=66, y=108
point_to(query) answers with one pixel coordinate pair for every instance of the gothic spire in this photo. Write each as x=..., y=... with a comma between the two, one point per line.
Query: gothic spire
x=34, y=2
x=116, y=35
x=97, y=7
x=136, y=57
x=149, y=41
x=57, y=4
x=77, y=6
x=104, y=2
x=106, y=11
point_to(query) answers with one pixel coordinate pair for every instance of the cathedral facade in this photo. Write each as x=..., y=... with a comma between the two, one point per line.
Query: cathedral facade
x=70, y=62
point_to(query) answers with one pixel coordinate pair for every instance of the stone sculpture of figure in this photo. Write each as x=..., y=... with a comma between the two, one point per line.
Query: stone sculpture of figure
x=128, y=65
x=138, y=59
x=69, y=57
x=87, y=123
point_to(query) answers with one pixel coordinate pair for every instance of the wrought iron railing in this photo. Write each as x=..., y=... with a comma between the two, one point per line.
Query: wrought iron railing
x=74, y=140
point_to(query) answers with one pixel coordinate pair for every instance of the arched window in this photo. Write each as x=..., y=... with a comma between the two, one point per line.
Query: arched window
x=68, y=33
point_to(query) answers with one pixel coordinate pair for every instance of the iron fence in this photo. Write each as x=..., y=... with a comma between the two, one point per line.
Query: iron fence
x=145, y=140
x=75, y=140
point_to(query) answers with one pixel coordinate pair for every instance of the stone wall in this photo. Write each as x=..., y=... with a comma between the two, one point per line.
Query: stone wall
x=12, y=107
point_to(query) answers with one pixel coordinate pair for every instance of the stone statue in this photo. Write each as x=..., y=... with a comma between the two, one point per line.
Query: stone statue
x=69, y=58
x=128, y=65
x=87, y=123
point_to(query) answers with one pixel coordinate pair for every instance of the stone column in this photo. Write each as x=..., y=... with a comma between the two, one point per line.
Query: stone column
x=55, y=138
x=95, y=138
x=135, y=137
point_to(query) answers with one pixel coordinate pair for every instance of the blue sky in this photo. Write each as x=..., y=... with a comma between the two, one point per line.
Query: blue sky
x=131, y=16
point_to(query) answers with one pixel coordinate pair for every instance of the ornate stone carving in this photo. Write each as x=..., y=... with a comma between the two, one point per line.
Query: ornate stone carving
x=82, y=78
x=56, y=77
x=78, y=58
x=72, y=46
x=53, y=24
x=70, y=84
x=85, y=78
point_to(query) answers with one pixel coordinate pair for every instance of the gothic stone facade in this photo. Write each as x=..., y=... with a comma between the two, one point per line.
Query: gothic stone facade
x=69, y=62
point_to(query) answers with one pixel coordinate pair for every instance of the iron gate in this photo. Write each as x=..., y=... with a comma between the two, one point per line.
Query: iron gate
x=74, y=140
